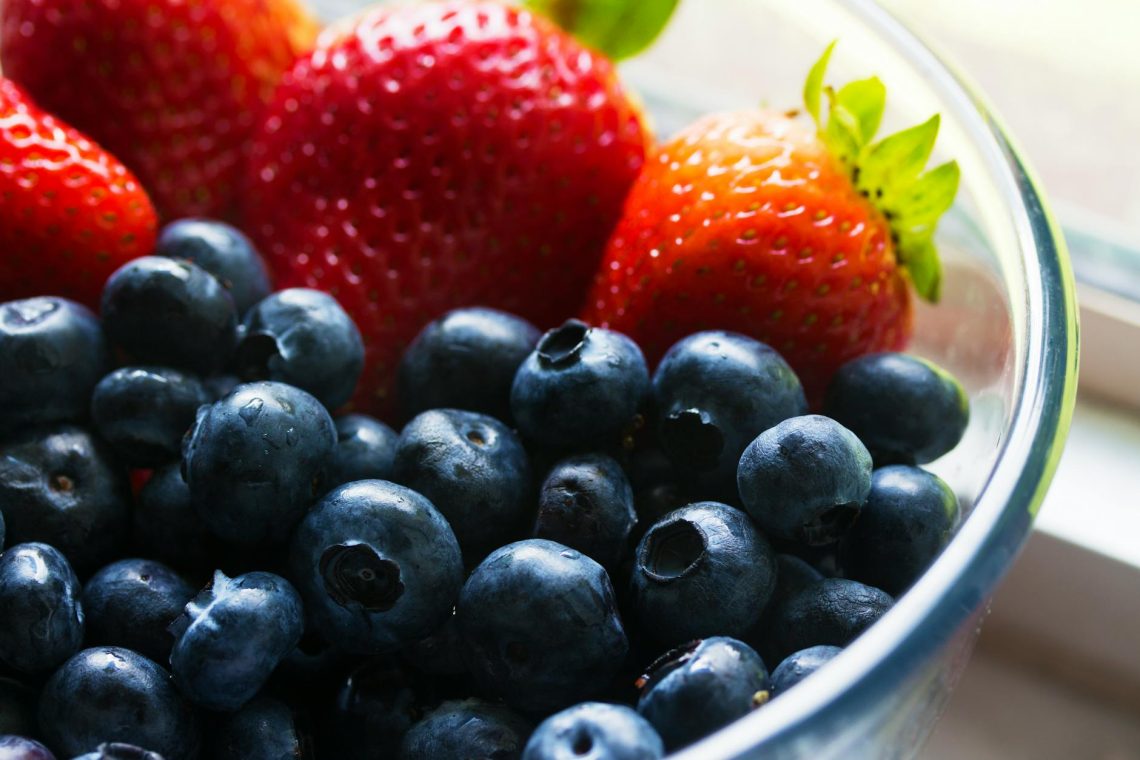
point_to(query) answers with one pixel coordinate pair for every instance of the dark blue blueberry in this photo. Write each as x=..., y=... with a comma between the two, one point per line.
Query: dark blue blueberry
x=255, y=460
x=131, y=603
x=365, y=450
x=701, y=570
x=696, y=689
x=586, y=503
x=905, y=409
x=805, y=479
x=52, y=352
x=906, y=521
x=166, y=526
x=61, y=487
x=232, y=635
x=221, y=250
x=42, y=614
x=799, y=665
x=540, y=625
x=377, y=565
x=169, y=313
x=595, y=730
x=17, y=708
x=302, y=337
x=792, y=576
x=470, y=728
x=581, y=385
x=2, y=531
x=466, y=359
x=120, y=751
x=833, y=611
x=21, y=748
x=474, y=470
x=713, y=393
x=264, y=729
x=372, y=710
x=143, y=412
x=110, y=694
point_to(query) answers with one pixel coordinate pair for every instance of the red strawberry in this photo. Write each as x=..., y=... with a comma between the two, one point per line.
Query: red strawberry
x=172, y=87
x=442, y=155
x=805, y=239
x=70, y=213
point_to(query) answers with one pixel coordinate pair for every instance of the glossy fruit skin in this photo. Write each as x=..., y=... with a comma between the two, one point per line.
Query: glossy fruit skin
x=60, y=486
x=222, y=250
x=696, y=689
x=263, y=729
x=613, y=732
x=475, y=471
x=699, y=571
x=131, y=603
x=72, y=212
x=799, y=665
x=231, y=636
x=414, y=566
x=466, y=359
x=905, y=409
x=21, y=748
x=53, y=352
x=775, y=243
x=143, y=412
x=805, y=479
x=466, y=728
x=833, y=611
x=365, y=450
x=120, y=751
x=108, y=694
x=304, y=338
x=170, y=313
x=580, y=386
x=255, y=460
x=173, y=89
x=586, y=503
x=43, y=614
x=908, y=518
x=166, y=526
x=499, y=152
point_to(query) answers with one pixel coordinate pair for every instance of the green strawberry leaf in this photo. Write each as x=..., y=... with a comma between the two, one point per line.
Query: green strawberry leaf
x=842, y=133
x=920, y=205
x=618, y=28
x=892, y=163
x=865, y=99
x=813, y=87
x=923, y=266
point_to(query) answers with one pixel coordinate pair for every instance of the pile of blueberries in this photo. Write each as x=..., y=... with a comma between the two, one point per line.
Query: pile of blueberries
x=559, y=555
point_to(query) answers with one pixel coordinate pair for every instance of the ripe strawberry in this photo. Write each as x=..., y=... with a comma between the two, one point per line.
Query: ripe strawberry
x=172, y=87
x=70, y=213
x=442, y=155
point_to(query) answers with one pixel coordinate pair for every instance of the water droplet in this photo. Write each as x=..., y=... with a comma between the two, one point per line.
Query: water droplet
x=252, y=410
x=291, y=436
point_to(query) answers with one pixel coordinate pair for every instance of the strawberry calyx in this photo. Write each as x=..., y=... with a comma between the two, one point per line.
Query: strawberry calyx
x=890, y=172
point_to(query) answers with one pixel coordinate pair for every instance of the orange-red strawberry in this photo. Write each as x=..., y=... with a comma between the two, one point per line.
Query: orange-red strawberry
x=171, y=87
x=70, y=213
x=442, y=155
x=805, y=238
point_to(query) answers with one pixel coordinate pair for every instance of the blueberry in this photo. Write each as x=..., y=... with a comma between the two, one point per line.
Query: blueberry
x=833, y=611
x=377, y=565
x=110, y=694
x=905, y=409
x=365, y=450
x=21, y=748
x=143, y=412
x=167, y=528
x=221, y=250
x=264, y=729
x=540, y=625
x=696, y=689
x=474, y=470
x=255, y=460
x=53, y=352
x=372, y=710
x=470, y=728
x=130, y=603
x=596, y=730
x=169, y=313
x=302, y=337
x=119, y=751
x=60, y=486
x=713, y=393
x=466, y=359
x=231, y=636
x=805, y=479
x=799, y=665
x=581, y=385
x=2, y=531
x=793, y=575
x=906, y=521
x=43, y=616
x=701, y=570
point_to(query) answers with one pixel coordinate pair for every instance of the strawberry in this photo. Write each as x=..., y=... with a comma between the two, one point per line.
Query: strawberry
x=807, y=239
x=70, y=213
x=442, y=155
x=171, y=87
